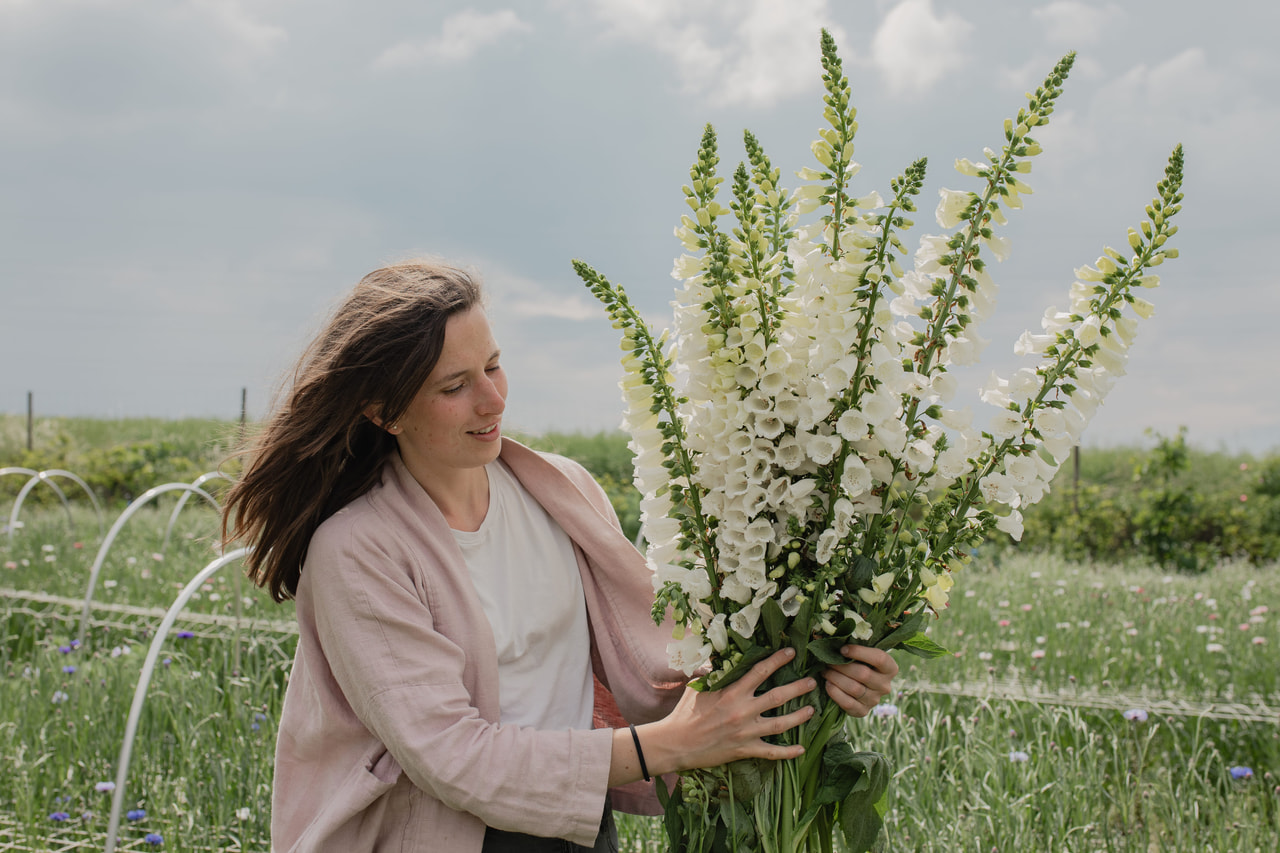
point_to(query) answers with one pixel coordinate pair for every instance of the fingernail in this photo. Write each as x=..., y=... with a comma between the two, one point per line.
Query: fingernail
x=846, y=651
x=789, y=652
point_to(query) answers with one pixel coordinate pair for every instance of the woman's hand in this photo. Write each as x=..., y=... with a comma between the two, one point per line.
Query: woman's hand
x=858, y=686
x=710, y=728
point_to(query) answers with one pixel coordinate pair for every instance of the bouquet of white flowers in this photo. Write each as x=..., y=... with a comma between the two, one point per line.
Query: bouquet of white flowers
x=806, y=479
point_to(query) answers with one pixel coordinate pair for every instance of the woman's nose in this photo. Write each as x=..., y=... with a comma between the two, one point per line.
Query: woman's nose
x=493, y=401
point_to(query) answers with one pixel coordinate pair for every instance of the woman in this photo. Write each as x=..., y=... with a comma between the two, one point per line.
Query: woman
x=471, y=616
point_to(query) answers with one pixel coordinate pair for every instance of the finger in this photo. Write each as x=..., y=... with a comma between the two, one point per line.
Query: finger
x=856, y=704
x=877, y=659
x=842, y=681
x=785, y=722
x=760, y=672
x=784, y=693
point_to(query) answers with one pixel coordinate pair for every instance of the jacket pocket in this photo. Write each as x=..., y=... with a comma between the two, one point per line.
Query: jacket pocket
x=350, y=818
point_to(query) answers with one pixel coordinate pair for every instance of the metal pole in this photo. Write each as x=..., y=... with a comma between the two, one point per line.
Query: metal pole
x=30, y=418
x=1075, y=485
x=244, y=408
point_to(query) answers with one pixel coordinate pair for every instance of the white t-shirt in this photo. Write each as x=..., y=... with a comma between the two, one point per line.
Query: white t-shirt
x=526, y=575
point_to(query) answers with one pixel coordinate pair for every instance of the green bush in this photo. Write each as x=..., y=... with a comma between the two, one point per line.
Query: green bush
x=1171, y=505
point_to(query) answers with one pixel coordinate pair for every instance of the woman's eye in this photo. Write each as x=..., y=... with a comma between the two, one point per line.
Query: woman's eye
x=453, y=390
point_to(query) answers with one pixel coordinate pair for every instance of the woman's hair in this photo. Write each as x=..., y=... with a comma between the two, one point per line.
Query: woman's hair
x=318, y=451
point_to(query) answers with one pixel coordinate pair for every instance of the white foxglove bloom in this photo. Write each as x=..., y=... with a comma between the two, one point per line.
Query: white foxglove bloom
x=998, y=245
x=936, y=596
x=1110, y=361
x=1090, y=331
x=1011, y=524
x=717, y=633
x=1024, y=383
x=959, y=419
x=821, y=448
x=1050, y=422
x=966, y=349
x=1143, y=308
x=744, y=621
x=790, y=601
x=942, y=386
x=996, y=391
x=1029, y=344
x=827, y=542
x=689, y=653
x=952, y=207
x=881, y=407
x=1006, y=424
x=856, y=477
x=852, y=425
x=919, y=456
x=999, y=488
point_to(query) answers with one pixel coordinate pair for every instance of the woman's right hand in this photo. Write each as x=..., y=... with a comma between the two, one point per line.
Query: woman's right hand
x=710, y=728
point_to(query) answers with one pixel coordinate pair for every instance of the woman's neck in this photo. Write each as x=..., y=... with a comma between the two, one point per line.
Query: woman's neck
x=461, y=495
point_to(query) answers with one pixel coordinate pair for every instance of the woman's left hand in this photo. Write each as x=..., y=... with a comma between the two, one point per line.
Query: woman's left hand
x=858, y=686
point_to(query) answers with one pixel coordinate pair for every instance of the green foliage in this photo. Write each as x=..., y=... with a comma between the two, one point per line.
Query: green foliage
x=1175, y=506
x=119, y=459
x=606, y=456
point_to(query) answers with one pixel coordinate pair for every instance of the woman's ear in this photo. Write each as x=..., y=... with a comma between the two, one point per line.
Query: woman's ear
x=374, y=413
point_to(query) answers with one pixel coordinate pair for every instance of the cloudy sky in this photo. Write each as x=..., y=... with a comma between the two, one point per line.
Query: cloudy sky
x=188, y=185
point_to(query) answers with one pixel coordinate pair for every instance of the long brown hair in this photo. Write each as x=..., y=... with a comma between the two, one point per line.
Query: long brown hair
x=318, y=451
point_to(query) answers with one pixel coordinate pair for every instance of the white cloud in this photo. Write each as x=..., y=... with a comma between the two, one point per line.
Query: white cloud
x=1075, y=24
x=754, y=52
x=461, y=37
x=915, y=48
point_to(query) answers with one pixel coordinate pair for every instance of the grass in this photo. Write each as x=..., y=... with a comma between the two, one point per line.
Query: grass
x=1059, y=768
x=1017, y=741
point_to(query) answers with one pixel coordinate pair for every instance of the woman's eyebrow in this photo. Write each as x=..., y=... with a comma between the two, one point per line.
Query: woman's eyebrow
x=458, y=374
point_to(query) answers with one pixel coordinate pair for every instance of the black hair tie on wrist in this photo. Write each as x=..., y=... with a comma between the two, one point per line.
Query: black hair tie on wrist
x=644, y=769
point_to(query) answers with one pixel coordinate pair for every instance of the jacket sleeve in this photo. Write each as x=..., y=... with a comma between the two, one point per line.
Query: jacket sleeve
x=406, y=682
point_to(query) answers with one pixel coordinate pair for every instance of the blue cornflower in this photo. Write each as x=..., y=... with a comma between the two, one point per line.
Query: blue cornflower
x=75, y=644
x=136, y=814
x=59, y=697
x=1019, y=756
x=66, y=650
x=1137, y=715
x=885, y=709
x=1241, y=772
x=155, y=839
x=185, y=635
x=59, y=817
x=69, y=670
x=104, y=787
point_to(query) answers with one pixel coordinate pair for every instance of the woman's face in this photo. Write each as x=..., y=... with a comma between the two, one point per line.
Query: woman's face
x=455, y=420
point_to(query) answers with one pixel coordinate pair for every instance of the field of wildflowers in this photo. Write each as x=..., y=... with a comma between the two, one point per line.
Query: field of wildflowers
x=1083, y=707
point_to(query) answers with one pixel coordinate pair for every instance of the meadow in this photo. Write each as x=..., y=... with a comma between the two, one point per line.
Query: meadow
x=1085, y=705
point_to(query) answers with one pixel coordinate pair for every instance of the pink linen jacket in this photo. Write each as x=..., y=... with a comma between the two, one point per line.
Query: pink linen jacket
x=390, y=738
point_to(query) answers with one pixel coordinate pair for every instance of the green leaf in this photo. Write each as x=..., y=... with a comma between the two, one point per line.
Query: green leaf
x=862, y=811
x=921, y=646
x=860, y=572
x=775, y=622
x=827, y=650
x=909, y=627
x=746, y=777
x=749, y=659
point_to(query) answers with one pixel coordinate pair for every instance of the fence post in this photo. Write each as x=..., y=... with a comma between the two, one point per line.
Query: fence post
x=30, y=419
x=1075, y=483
